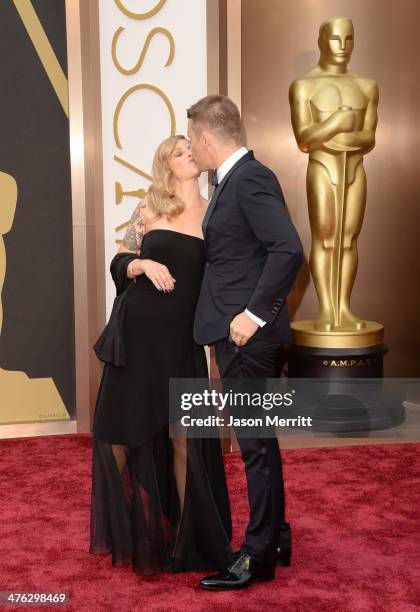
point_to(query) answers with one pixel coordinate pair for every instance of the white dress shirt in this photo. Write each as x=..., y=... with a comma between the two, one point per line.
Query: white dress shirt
x=222, y=170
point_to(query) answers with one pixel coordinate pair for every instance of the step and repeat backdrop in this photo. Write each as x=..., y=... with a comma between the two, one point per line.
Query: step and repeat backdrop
x=37, y=373
x=153, y=65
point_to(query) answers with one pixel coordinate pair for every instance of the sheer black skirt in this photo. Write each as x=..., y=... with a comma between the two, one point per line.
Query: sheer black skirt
x=160, y=506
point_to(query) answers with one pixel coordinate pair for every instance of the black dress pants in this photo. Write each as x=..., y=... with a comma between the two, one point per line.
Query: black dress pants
x=266, y=529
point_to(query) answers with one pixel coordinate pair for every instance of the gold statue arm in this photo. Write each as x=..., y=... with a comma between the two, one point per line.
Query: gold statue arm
x=364, y=140
x=310, y=136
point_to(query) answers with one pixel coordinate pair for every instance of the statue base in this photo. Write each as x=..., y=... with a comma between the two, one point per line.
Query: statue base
x=26, y=400
x=343, y=406
x=305, y=334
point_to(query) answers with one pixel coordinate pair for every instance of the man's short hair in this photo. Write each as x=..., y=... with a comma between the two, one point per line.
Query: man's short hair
x=220, y=115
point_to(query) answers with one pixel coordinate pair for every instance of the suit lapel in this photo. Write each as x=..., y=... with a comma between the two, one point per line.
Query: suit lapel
x=213, y=201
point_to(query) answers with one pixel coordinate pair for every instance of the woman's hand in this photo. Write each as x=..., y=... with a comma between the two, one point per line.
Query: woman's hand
x=157, y=273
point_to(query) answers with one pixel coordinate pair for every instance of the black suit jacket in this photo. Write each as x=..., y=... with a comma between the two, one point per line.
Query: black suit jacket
x=253, y=253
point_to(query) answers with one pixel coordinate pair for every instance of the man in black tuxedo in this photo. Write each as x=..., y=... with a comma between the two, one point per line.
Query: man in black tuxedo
x=253, y=254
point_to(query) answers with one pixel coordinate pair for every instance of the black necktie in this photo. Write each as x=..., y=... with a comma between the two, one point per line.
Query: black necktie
x=214, y=180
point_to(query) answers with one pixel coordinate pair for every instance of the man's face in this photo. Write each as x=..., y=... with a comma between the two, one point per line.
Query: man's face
x=199, y=148
x=336, y=42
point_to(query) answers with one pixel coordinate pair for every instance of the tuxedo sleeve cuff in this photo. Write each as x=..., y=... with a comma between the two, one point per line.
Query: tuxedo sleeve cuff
x=256, y=319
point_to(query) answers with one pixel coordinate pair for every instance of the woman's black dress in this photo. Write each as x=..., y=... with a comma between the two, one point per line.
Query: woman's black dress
x=135, y=511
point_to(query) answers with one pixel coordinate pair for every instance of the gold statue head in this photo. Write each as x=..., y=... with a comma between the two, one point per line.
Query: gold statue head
x=335, y=40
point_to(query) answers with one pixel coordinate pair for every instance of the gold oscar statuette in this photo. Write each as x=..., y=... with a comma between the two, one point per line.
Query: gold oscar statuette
x=334, y=118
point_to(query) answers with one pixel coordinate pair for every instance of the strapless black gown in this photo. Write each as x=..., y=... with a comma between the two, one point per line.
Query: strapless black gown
x=135, y=511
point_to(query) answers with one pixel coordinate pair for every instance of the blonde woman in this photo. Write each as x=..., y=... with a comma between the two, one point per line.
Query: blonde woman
x=159, y=503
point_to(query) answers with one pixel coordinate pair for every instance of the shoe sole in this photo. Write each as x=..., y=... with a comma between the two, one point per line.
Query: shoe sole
x=237, y=588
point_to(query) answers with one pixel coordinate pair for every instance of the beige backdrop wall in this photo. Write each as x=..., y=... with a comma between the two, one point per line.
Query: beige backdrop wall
x=279, y=42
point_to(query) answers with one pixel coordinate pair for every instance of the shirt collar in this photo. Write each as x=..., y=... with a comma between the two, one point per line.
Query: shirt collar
x=224, y=168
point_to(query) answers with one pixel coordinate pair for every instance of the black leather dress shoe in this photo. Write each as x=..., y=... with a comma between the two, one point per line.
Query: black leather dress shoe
x=240, y=574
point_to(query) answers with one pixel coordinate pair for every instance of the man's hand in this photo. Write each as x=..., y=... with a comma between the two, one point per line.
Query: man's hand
x=242, y=328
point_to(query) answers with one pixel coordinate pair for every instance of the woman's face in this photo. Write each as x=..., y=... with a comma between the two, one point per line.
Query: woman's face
x=181, y=161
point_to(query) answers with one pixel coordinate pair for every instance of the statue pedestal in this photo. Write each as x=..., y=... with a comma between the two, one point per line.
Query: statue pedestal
x=27, y=400
x=343, y=403
x=304, y=334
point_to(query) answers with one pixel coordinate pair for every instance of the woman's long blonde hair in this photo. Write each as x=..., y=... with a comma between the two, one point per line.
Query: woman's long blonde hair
x=161, y=197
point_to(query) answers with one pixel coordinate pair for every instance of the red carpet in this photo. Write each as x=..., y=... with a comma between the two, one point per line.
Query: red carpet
x=355, y=513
